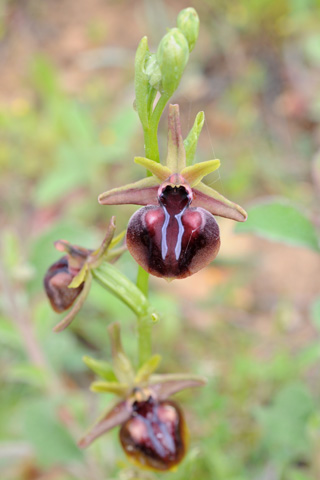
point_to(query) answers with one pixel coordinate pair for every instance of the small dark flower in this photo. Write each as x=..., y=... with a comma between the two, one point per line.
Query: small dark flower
x=56, y=282
x=155, y=434
x=153, y=431
x=175, y=234
x=68, y=281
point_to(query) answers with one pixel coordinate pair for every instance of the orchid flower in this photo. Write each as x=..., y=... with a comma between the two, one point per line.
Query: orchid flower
x=175, y=234
x=153, y=431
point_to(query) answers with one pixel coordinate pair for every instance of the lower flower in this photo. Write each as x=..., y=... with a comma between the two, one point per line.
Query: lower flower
x=155, y=434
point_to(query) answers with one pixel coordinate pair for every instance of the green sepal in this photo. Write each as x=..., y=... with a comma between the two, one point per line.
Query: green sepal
x=153, y=71
x=121, y=363
x=96, y=257
x=101, y=368
x=80, y=277
x=115, y=253
x=117, y=239
x=116, y=388
x=160, y=171
x=147, y=369
x=191, y=142
x=195, y=173
x=65, y=322
x=152, y=93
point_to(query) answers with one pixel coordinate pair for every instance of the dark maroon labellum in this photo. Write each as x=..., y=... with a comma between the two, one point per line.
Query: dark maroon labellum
x=155, y=435
x=173, y=240
x=56, y=282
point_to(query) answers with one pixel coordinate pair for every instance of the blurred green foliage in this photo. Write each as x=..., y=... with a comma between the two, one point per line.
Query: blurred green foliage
x=278, y=220
x=259, y=415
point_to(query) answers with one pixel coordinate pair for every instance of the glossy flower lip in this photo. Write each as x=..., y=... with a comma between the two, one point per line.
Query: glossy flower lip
x=175, y=172
x=173, y=240
x=155, y=436
x=143, y=415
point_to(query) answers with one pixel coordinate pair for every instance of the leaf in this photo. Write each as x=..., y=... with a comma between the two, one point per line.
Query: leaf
x=52, y=442
x=278, y=220
x=284, y=423
x=44, y=77
x=80, y=277
x=29, y=374
x=9, y=335
x=297, y=474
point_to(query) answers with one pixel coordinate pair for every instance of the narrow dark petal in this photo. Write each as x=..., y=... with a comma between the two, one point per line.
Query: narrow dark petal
x=155, y=435
x=142, y=192
x=164, y=389
x=56, y=282
x=119, y=414
x=66, y=321
x=216, y=204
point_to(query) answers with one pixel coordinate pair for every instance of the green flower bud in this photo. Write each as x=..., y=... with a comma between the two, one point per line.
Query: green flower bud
x=188, y=23
x=172, y=56
x=153, y=71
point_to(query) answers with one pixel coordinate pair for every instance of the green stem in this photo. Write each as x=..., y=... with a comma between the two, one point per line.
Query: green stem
x=151, y=131
x=144, y=327
x=151, y=144
x=143, y=281
x=135, y=297
x=144, y=339
x=152, y=152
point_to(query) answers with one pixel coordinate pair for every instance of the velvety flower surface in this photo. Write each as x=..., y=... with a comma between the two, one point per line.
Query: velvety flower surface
x=155, y=434
x=56, y=282
x=173, y=239
x=175, y=234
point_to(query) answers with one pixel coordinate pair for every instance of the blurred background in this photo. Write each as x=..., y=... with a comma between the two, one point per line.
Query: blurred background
x=251, y=321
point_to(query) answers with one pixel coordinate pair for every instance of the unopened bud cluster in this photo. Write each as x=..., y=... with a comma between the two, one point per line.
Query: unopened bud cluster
x=165, y=68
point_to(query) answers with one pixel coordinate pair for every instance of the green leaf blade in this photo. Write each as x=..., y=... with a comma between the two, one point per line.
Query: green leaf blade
x=278, y=220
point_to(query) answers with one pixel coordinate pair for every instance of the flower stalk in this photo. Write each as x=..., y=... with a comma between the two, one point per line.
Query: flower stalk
x=172, y=236
x=159, y=73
